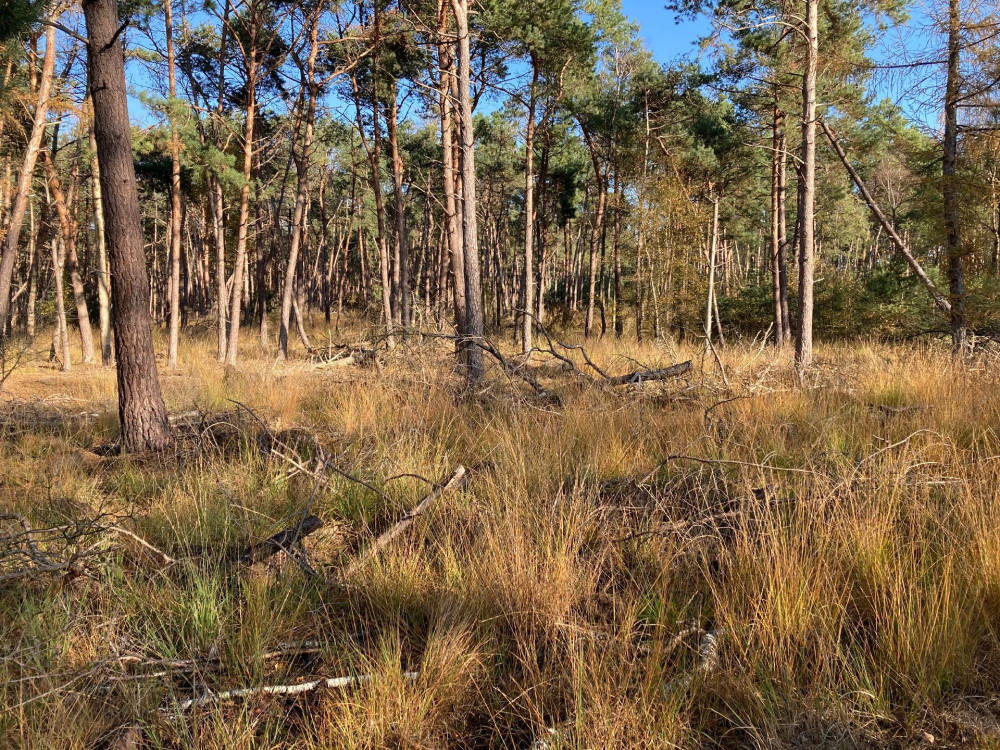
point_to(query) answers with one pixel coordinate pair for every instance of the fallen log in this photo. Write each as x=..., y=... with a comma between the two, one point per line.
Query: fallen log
x=283, y=541
x=455, y=481
x=641, y=376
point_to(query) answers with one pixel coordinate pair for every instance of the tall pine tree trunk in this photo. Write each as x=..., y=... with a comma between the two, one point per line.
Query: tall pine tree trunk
x=779, y=287
x=401, y=266
x=175, y=195
x=807, y=192
x=103, y=274
x=953, y=236
x=470, y=230
x=8, y=256
x=446, y=65
x=141, y=409
x=527, y=323
x=236, y=296
x=300, y=214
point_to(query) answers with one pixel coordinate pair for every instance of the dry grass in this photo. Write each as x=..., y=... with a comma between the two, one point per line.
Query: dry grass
x=827, y=575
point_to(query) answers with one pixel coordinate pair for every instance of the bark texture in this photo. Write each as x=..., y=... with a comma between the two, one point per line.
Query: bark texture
x=141, y=409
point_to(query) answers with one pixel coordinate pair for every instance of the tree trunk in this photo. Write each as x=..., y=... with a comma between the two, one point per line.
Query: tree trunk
x=595, y=235
x=446, y=65
x=8, y=257
x=401, y=272
x=617, y=319
x=712, y=252
x=67, y=225
x=60, y=336
x=470, y=230
x=807, y=192
x=778, y=226
x=374, y=153
x=217, y=202
x=953, y=236
x=141, y=409
x=175, y=195
x=103, y=275
x=236, y=296
x=527, y=324
x=33, y=263
x=300, y=216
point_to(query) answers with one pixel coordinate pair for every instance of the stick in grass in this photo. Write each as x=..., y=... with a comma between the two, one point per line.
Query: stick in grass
x=295, y=689
x=453, y=482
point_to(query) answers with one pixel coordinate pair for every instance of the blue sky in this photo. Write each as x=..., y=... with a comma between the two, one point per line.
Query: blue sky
x=666, y=39
x=916, y=93
x=670, y=40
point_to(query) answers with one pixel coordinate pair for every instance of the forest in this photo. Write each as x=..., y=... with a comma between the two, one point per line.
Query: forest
x=588, y=395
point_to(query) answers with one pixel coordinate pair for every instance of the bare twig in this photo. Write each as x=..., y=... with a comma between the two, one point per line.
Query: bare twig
x=163, y=557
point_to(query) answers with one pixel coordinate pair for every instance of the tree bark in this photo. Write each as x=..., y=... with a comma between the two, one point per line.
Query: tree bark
x=596, y=233
x=401, y=272
x=446, y=66
x=300, y=215
x=70, y=259
x=141, y=409
x=8, y=257
x=778, y=239
x=176, y=216
x=216, y=201
x=236, y=296
x=527, y=322
x=953, y=233
x=470, y=230
x=60, y=336
x=103, y=275
x=712, y=252
x=807, y=192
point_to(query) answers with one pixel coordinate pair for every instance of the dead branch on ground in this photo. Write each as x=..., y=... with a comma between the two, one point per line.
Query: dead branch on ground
x=454, y=482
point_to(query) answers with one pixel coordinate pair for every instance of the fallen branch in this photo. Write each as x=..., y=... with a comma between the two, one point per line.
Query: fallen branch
x=455, y=481
x=162, y=556
x=296, y=689
x=641, y=376
x=170, y=666
x=283, y=541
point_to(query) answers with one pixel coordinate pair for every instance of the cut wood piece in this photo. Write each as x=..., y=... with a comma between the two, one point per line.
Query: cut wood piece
x=640, y=376
x=455, y=481
x=280, y=542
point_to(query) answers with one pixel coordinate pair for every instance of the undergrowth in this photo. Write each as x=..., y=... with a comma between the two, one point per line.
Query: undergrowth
x=708, y=562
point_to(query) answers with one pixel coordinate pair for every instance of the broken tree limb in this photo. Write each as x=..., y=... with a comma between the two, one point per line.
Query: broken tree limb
x=640, y=376
x=295, y=689
x=455, y=481
x=940, y=300
x=283, y=541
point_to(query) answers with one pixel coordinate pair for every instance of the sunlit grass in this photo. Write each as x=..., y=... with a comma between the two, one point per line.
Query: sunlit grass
x=838, y=541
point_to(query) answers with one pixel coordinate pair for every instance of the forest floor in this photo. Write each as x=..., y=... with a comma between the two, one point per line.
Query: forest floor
x=726, y=559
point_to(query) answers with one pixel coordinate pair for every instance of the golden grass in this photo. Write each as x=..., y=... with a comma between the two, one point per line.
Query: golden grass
x=837, y=544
